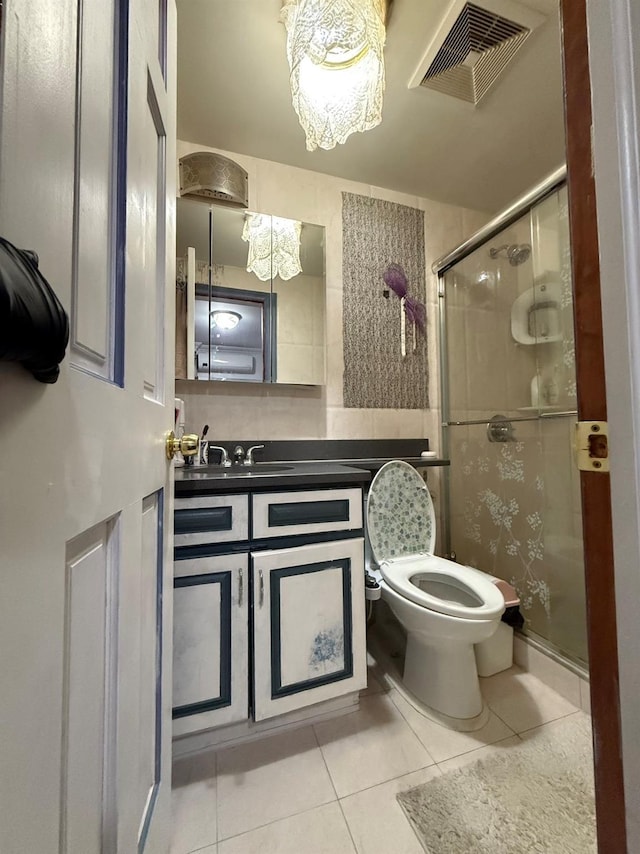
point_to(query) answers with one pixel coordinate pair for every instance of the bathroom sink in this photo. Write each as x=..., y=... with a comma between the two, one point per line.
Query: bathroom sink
x=257, y=468
x=260, y=468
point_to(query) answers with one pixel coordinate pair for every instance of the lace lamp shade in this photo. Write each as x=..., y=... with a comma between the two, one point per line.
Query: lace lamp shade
x=274, y=246
x=335, y=51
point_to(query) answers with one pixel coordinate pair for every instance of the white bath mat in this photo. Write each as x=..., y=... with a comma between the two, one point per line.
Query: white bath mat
x=535, y=798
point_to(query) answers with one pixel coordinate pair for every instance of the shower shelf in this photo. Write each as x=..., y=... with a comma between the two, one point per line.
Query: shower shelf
x=535, y=314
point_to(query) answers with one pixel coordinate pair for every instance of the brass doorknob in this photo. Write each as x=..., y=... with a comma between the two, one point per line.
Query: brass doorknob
x=187, y=445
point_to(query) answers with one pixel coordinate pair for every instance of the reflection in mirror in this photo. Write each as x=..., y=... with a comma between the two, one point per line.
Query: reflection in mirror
x=230, y=339
x=301, y=314
x=257, y=287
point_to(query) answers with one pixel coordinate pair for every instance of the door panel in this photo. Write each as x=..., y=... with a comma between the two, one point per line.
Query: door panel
x=322, y=650
x=150, y=720
x=211, y=642
x=153, y=211
x=308, y=625
x=88, y=821
x=202, y=642
x=93, y=249
x=95, y=448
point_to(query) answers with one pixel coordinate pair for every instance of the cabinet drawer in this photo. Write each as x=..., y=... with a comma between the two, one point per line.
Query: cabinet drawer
x=282, y=514
x=211, y=519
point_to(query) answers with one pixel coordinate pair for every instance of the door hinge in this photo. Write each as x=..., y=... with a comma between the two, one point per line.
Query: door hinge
x=592, y=445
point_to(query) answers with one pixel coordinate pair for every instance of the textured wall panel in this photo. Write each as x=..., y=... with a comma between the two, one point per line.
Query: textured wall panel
x=375, y=234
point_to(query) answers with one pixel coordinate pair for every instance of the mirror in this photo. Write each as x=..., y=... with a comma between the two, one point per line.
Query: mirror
x=254, y=287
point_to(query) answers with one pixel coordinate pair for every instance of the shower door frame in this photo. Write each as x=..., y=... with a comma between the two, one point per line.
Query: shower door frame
x=495, y=228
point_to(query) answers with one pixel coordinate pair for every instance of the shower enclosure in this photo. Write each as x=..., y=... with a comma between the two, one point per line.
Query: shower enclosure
x=509, y=409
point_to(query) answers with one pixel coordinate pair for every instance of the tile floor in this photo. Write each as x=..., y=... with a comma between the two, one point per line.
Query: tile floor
x=331, y=788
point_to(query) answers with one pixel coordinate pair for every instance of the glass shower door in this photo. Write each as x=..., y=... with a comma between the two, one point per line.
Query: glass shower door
x=514, y=501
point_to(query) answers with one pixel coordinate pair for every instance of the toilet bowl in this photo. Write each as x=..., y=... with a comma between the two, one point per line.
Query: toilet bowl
x=444, y=607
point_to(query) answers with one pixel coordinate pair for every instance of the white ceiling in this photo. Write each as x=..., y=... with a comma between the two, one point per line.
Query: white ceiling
x=233, y=93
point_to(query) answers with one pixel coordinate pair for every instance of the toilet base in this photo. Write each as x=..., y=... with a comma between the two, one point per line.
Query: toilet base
x=456, y=724
x=443, y=676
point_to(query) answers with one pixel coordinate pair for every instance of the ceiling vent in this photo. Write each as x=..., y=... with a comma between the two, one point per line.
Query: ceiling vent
x=208, y=177
x=473, y=46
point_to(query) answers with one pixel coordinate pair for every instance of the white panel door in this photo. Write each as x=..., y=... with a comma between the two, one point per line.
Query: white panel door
x=87, y=180
x=309, y=641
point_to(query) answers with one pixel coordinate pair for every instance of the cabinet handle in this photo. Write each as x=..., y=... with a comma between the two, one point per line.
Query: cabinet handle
x=240, y=587
x=261, y=597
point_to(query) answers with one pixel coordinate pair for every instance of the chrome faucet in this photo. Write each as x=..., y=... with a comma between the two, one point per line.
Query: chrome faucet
x=248, y=460
x=224, y=457
x=238, y=455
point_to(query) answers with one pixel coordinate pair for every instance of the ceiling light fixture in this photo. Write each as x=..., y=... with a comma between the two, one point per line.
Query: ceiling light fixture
x=274, y=246
x=225, y=320
x=206, y=175
x=335, y=51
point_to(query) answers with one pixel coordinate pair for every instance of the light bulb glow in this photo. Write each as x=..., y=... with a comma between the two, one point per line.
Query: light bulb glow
x=225, y=320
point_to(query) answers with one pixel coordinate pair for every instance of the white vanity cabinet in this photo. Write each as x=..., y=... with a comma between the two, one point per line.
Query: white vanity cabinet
x=269, y=608
x=308, y=625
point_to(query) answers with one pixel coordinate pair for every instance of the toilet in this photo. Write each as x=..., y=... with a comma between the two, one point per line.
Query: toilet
x=444, y=607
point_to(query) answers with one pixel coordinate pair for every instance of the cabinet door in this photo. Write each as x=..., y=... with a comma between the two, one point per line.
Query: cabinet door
x=210, y=626
x=309, y=625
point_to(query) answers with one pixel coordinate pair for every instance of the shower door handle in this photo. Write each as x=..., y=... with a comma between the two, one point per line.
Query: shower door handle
x=500, y=429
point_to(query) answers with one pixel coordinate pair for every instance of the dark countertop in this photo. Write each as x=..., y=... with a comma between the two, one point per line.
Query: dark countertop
x=194, y=480
x=330, y=450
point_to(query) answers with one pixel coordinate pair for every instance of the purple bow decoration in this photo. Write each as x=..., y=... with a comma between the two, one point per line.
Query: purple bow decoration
x=395, y=278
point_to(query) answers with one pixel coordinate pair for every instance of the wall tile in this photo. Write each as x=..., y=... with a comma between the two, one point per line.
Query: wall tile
x=397, y=423
x=431, y=428
x=235, y=411
x=552, y=673
x=443, y=228
x=473, y=221
x=334, y=317
x=585, y=696
x=287, y=191
x=350, y=423
x=394, y=196
x=335, y=371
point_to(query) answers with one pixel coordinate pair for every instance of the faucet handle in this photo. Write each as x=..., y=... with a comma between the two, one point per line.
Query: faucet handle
x=248, y=460
x=224, y=457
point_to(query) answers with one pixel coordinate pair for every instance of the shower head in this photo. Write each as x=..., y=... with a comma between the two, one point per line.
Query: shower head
x=516, y=253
